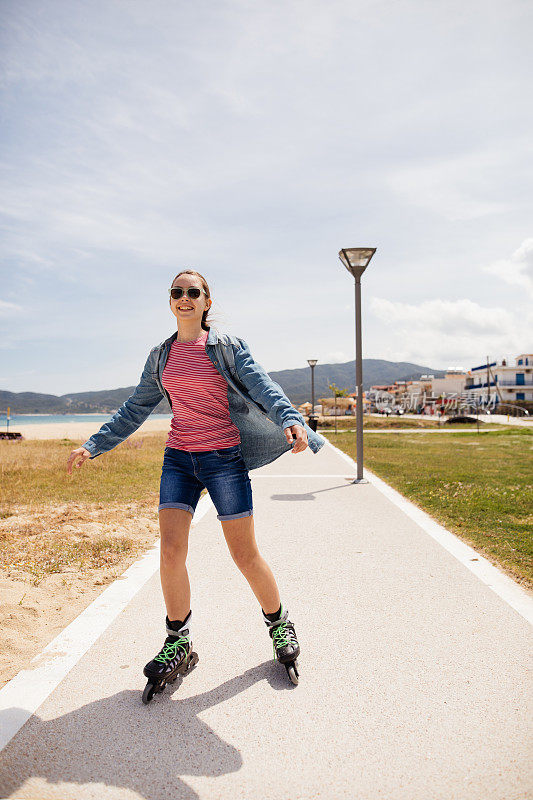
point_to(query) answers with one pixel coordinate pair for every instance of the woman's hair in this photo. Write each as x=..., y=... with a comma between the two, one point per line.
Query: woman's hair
x=205, y=322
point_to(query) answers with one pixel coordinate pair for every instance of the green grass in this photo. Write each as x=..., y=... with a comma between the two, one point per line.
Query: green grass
x=478, y=485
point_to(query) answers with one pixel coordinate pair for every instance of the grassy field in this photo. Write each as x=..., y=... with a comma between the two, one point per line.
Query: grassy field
x=478, y=485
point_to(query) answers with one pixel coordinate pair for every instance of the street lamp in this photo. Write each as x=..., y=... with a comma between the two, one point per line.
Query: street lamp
x=356, y=260
x=312, y=420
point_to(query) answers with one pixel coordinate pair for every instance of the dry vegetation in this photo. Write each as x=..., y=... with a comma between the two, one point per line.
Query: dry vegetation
x=64, y=538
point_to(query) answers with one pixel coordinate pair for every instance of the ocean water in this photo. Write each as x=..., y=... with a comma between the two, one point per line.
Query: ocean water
x=42, y=419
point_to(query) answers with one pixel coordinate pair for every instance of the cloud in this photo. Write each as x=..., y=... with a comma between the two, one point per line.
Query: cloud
x=516, y=270
x=449, y=331
x=245, y=140
x=7, y=308
x=337, y=357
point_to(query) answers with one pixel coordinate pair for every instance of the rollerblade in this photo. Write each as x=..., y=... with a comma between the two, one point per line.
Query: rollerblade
x=176, y=657
x=284, y=643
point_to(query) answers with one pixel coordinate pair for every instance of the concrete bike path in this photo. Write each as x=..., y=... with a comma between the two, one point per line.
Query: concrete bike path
x=413, y=671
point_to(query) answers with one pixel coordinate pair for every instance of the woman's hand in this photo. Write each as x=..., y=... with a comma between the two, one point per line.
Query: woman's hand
x=82, y=453
x=301, y=437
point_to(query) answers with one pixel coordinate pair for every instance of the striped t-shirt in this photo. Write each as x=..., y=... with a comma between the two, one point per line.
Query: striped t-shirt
x=200, y=410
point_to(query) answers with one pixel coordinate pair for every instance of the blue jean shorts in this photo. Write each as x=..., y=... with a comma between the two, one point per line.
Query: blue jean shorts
x=222, y=472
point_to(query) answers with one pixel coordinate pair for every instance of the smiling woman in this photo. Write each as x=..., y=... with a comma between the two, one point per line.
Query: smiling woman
x=228, y=416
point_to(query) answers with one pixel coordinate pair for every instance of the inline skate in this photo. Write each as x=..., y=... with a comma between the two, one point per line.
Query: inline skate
x=176, y=657
x=284, y=643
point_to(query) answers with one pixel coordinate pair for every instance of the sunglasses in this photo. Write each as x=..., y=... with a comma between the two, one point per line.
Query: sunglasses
x=193, y=292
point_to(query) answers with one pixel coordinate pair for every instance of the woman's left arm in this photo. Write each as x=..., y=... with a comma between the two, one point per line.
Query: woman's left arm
x=270, y=396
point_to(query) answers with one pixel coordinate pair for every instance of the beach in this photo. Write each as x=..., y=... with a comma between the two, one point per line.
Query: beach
x=80, y=431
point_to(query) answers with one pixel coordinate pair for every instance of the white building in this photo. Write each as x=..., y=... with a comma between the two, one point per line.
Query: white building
x=515, y=382
x=503, y=381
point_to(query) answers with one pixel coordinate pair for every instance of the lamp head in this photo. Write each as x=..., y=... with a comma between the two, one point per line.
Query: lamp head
x=356, y=259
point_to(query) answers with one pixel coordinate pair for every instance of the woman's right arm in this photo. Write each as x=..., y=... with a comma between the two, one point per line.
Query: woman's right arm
x=130, y=416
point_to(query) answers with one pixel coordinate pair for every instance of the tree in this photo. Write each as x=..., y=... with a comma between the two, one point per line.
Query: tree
x=337, y=393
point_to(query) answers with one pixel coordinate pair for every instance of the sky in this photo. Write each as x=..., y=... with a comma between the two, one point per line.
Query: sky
x=251, y=142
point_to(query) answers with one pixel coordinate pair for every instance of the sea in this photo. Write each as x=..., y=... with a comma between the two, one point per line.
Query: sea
x=42, y=419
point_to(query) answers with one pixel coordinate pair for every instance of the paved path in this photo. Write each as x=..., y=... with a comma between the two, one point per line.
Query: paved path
x=504, y=419
x=499, y=419
x=414, y=666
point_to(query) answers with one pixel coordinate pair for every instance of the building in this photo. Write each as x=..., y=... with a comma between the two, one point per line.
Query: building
x=488, y=385
x=453, y=382
x=417, y=394
x=501, y=382
x=515, y=382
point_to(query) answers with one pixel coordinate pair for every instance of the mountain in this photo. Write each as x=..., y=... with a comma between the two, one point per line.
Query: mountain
x=104, y=402
x=296, y=384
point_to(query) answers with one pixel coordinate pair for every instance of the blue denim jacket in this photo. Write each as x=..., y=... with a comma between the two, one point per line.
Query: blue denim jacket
x=257, y=404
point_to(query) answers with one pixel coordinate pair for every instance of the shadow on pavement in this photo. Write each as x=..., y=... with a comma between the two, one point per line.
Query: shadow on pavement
x=118, y=741
x=310, y=495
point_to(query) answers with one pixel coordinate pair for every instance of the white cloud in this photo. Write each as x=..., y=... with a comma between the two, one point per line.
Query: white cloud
x=516, y=270
x=337, y=357
x=7, y=308
x=447, y=331
x=245, y=140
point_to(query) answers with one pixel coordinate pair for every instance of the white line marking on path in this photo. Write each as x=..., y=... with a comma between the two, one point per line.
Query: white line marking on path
x=482, y=568
x=24, y=693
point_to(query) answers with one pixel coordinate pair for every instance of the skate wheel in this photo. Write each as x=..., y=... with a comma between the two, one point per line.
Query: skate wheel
x=292, y=672
x=148, y=693
x=190, y=664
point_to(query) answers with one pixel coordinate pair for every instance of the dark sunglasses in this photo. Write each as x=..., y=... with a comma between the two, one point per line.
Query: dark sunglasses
x=193, y=292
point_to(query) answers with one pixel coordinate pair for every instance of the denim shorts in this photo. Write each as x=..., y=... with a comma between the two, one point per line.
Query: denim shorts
x=222, y=472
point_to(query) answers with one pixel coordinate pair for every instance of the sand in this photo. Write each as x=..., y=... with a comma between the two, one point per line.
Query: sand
x=79, y=430
x=32, y=614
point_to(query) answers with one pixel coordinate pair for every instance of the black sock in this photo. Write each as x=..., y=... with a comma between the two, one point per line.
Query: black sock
x=274, y=616
x=175, y=624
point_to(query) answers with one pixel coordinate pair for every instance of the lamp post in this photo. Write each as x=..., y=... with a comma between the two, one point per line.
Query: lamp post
x=356, y=260
x=312, y=420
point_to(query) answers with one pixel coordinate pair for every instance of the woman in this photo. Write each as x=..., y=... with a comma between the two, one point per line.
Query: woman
x=229, y=416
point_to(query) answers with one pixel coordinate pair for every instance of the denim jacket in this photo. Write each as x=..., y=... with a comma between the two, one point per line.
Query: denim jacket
x=257, y=404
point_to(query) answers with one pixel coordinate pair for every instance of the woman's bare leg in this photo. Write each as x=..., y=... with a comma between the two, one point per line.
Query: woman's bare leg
x=240, y=537
x=174, y=524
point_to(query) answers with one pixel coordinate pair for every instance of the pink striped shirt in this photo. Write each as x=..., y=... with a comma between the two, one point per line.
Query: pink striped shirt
x=200, y=410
